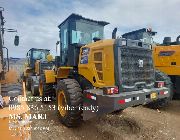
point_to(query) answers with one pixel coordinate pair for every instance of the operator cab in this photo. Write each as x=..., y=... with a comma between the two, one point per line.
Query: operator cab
x=145, y=35
x=75, y=32
x=36, y=54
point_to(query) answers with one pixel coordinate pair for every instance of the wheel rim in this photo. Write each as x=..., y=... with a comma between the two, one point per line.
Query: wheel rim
x=41, y=88
x=62, y=104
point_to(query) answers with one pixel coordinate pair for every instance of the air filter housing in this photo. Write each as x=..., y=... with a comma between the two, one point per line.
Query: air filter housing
x=167, y=41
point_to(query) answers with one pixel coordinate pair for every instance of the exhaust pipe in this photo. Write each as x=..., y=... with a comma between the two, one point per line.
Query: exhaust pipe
x=177, y=39
x=114, y=33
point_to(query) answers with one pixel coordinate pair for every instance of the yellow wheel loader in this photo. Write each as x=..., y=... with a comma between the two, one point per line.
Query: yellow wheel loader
x=13, y=123
x=96, y=76
x=37, y=61
x=167, y=59
x=146, y=36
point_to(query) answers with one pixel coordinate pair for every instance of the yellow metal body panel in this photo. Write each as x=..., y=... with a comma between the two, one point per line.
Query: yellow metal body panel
x=37, y=66
x=90, y=70
x=8, y=133
x=27, y=71
x=50, y=76
x=21, y=130
x=164, y=63
x=63, y=72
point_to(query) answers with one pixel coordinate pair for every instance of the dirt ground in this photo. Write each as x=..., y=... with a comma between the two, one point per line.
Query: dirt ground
x=134, y=123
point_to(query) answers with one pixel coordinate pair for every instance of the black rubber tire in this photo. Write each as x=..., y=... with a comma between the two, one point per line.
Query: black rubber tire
x=28, y=83
x=74, y=98
x=117, y=112
x=48, y=90
x=34, y=89
x=160, y=76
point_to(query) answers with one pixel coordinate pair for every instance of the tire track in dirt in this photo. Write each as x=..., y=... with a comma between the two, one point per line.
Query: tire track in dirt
x=133, y=123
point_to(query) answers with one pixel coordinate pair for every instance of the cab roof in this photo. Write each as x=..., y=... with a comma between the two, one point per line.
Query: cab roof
x=139, y=31
x=78, y=17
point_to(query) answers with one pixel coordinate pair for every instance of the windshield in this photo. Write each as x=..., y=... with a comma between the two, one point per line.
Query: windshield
x=147, y=38
x=39, y=54
x=85, y=32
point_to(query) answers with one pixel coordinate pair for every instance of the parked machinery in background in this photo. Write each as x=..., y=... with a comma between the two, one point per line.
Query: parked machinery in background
x=167, y=59
x=146, y=35
x=13, y=123
x=37, y=61
x=110, y=74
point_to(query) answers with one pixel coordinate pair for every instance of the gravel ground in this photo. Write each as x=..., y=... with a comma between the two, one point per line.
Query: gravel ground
x=133, y=123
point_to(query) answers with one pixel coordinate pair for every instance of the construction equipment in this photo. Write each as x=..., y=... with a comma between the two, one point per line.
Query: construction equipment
x=146, y=35
x=13, y=123
x=37, y=61
x=167, y=59
x=95, y=76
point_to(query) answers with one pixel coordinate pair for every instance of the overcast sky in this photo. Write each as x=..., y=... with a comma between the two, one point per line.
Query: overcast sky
x=37, y=20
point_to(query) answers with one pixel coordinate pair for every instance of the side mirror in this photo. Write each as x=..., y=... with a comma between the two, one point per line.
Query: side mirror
x=57, y=43
x=16, y=40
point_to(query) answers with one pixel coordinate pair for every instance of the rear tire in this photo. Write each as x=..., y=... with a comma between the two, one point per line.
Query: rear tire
x=160, y=76
x=69, y=94
x=34, y=89
x=46, y=91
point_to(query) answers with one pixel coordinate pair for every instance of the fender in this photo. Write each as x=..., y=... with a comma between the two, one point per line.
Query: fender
x=50, y=76
x=63, y=72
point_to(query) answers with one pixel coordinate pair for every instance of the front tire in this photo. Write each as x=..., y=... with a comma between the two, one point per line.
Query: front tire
x=34, y=88
x=46, y=90
x=69, y=102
